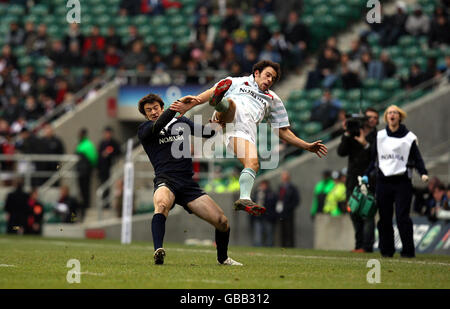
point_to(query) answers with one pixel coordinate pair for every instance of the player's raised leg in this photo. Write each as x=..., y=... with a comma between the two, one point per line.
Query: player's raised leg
x=247, y=154
x=163, y=199
x=205, y=208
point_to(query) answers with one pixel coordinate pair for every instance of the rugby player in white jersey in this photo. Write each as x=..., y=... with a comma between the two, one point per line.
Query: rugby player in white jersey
x=246, y=101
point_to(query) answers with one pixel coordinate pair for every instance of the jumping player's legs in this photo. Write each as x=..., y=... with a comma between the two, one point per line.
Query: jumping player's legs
x=205, y=208
x=247, y=154
x=226, y=116
x=163, y=199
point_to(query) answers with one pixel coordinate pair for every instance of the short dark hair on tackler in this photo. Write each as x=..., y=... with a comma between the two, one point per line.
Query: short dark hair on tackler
x=261, y=65
x=149, y=98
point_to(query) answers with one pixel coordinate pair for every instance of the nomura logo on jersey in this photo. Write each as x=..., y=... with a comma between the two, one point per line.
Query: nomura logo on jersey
x=169, y=139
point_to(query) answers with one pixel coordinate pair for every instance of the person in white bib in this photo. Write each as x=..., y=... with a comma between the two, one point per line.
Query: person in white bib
x=395, y=152
x=246, y=102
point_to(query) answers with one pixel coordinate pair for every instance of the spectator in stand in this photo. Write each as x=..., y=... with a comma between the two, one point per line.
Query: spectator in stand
x=298, y=38
x=263, y=32
x=94, y=42
x=112, y=57
x=152, y=7
x=282, y=8
x=439, y=33
x=326, y=110
x=16, y=208
x=324, y=74
x=29, y=33
x=67, y=207
x=389, y=67
x=357, y=48
x=423, y=197
x=394, y=25
x=250, y=58
x=62, y=88
x=288, y=200
x=129, y=7
x=52, y=145
x=270, y=53
x=350, y=79
x=254, y=39
x=18, y=125
x=109, y=151
x=7, y=58
x=57, y=53
x=132, y=37
x=112, y=39
x=417, y=23
x=415, y=78
x=15, y=36
x=12, y=111
x=73, y=54
x=40, y=45
x=439, y=201
x=263, y=227
x=136, y=56
x=32, y=110
x=263, y=6
x=74, y=35
x=35, y=214
x=280, y=46
x=230, y=22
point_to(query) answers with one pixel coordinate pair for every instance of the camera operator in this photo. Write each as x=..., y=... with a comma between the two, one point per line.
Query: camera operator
x=360, y=133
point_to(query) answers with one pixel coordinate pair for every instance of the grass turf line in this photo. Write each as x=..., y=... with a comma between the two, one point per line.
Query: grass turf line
x=35, y=262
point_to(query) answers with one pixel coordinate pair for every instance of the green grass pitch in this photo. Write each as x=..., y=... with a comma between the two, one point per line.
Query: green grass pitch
x=35, y=262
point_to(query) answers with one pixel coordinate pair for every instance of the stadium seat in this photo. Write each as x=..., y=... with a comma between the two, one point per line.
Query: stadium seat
x=354, y=95
x=406, y=41
x=375, y=95
x=390, y=85
x=314, y=94
x=304, y=116
x=312, y=128
x=370, y=83
x=302, y=105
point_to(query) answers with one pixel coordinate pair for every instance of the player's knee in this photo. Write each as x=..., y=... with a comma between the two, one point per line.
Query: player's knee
x=254, y=165
x=222, y=223
x=162, y=206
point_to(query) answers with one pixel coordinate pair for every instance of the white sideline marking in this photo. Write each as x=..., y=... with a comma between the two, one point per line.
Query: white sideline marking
x=6, y=265
x=149, y=248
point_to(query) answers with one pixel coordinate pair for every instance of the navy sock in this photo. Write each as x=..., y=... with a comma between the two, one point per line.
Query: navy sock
x=222, y=239
x=158, y=230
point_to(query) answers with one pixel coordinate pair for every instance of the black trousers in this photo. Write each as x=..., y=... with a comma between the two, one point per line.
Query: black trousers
x=390, y=191
x=364, y=232
x=287, y=232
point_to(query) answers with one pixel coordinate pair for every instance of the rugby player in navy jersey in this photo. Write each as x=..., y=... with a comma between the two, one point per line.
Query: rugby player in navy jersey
x=173, y=181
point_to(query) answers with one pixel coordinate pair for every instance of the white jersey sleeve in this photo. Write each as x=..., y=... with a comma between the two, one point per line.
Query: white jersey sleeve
x=277, y=117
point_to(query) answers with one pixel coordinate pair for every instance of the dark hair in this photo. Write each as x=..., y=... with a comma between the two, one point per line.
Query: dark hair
x=371, y=109
x=149, y=98
x=261, y=65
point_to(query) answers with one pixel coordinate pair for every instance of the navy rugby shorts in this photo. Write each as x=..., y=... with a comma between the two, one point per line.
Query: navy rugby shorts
x=183, y=187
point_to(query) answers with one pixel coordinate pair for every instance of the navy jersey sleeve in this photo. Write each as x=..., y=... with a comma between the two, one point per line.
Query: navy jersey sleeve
x=198, y=128
x=150, y=129
x=416, y=157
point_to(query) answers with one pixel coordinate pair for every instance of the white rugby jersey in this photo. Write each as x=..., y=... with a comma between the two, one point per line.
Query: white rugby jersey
x=244, y=91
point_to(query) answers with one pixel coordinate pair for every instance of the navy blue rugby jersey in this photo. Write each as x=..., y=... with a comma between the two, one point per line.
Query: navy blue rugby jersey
x=158, y=136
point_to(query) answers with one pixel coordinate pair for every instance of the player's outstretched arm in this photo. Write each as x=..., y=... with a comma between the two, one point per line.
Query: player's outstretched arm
x=186, y=103
x=317, y=147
